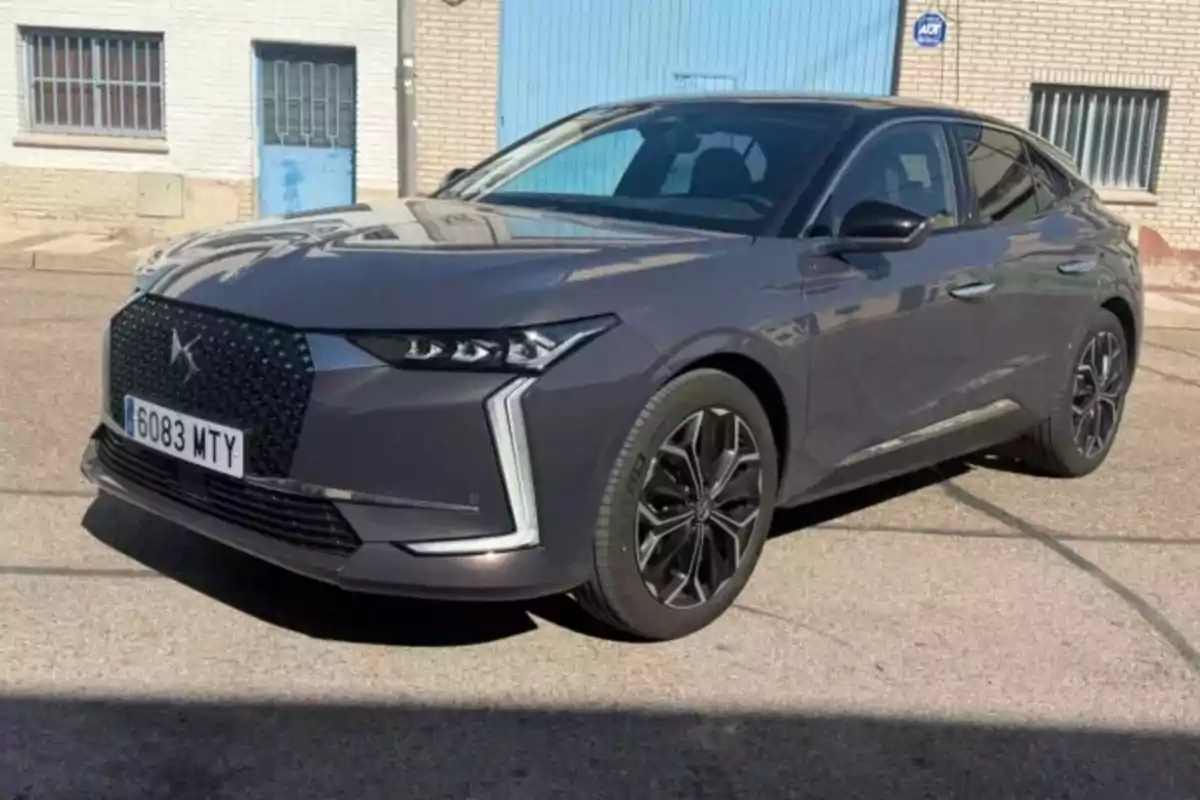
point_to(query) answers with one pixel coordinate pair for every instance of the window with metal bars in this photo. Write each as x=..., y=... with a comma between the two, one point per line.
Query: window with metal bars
x=94, y=82
x=1113, y=135
x=307, y=97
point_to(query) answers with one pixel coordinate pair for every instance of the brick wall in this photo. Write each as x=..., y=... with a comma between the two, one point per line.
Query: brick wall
x=996, y=48
x=210, y=98
x=458, y=55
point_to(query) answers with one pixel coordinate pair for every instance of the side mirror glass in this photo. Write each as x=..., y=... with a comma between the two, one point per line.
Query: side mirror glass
x=874, y=226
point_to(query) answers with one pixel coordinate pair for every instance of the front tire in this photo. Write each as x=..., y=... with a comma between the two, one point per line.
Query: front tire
x=1083, y=425
x=686, y=511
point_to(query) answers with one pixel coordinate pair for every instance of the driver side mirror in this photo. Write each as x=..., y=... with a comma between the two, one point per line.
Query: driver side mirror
x=453, y=175
x=873, y=226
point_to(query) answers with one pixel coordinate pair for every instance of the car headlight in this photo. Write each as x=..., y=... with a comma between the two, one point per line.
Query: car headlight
x=530, y=349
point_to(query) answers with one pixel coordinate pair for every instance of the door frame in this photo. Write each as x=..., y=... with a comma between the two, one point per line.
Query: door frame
x=261, y=47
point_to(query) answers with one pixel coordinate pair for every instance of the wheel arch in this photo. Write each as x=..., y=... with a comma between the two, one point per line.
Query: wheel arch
x=765, y=387
x=1121, y=308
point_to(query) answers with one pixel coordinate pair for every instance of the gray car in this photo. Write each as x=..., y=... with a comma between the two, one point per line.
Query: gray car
x=599, y=361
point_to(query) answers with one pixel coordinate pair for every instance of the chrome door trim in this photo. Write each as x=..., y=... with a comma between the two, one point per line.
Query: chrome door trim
x=971, y=291
x=975, y=416
x=1077, y=267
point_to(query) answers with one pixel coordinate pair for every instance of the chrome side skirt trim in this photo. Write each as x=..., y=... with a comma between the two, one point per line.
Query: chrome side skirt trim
x=966, y=419
x=507, y=420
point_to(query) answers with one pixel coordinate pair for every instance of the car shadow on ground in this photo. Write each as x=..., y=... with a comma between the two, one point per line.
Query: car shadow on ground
x=315, y=609
x=291, y=601
x=820, y=512
x=55, y=746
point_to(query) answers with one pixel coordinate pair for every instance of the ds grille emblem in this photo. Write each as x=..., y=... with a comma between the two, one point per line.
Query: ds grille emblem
x=184, y=351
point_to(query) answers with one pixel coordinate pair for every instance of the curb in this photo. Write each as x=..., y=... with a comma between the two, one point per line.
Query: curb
x=55, y=262
x=52, y=262
x=16, y=260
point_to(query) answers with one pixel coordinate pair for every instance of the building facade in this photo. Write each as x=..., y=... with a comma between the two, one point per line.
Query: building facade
x=172, y=116
x=279, y=105
x=1114, y=82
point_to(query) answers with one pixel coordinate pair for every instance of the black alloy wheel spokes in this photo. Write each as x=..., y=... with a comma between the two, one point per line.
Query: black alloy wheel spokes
x=1100, y=377
x=700, y=501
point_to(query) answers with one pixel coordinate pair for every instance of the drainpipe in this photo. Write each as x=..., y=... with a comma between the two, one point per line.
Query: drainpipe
x=406, y=99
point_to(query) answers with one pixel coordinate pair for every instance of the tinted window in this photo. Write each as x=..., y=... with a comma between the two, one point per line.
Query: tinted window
x=726, y=166
x=1052, y=183
x=999, y=175
x=907, y=165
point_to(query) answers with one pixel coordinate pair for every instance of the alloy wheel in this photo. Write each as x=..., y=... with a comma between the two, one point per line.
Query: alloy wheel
x=700, y=500
x=1100, y=377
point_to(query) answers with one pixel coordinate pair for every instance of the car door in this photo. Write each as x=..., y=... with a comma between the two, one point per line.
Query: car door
x=895, y=335
x=1041, y=254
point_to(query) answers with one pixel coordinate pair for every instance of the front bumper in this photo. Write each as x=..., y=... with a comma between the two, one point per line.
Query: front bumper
x=459, y=486
x=374, y=567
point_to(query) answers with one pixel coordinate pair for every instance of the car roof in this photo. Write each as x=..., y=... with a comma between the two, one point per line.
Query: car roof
x=882, y=105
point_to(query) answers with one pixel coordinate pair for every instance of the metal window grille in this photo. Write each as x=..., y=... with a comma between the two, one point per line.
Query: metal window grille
x=307, y=103
x=96, y=83
x=1113, y=135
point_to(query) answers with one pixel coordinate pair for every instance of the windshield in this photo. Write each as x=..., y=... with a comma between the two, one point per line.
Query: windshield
x=727, y=166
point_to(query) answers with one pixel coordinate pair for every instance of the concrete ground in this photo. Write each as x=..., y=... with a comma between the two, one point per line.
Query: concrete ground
x=973, y=633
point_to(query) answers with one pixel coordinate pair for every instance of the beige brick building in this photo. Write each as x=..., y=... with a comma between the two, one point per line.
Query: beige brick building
x=1116, y=81
x=996, y=51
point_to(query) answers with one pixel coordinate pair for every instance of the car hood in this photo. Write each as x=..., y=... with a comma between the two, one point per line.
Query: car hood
x=421, y=263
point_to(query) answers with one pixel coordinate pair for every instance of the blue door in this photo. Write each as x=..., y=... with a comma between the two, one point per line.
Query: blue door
x=559, y=55
x=306, y=128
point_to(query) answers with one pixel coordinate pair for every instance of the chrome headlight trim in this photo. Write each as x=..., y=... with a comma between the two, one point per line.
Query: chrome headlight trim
x=507, y=418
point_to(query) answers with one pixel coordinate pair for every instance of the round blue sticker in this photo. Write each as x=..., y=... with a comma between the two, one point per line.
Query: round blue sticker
x=930, y=29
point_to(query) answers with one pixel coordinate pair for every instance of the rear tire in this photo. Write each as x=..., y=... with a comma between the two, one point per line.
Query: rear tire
x=672, y=552
x=1083, y=425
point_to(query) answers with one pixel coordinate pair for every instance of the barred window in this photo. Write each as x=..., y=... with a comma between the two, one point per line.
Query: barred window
x=94, y=82
x=1114, y=135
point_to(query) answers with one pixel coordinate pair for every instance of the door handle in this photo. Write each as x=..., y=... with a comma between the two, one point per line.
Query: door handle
x=1077, y=267
x=971, y=290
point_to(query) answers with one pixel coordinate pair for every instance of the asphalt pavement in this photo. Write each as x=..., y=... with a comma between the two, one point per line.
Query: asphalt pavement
x=969, y=632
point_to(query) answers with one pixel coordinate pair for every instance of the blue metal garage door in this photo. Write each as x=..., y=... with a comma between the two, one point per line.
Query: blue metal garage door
x=558, y=55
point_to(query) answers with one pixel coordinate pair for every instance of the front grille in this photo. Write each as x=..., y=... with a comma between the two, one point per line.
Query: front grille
x=304, y=521
x=250, y=375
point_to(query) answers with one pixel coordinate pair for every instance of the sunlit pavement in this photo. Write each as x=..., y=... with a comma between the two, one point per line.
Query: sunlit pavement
x=976, y=633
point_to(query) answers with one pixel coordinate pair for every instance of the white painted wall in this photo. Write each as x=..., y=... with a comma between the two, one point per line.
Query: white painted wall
x=210, y=86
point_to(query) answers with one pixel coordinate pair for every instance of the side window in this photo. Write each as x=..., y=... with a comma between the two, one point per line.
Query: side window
x=999, y=174
x=1052, y=184
x=906, y=165
x=681, y=171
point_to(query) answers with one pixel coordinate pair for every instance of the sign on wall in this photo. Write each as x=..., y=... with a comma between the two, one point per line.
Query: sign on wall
x=930, y=29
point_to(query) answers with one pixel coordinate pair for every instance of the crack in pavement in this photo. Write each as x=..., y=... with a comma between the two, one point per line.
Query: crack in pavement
x=12, y=491
x=77, y=572
x=1170, y=376
x=33, y=322
x=1153, y=617
x=958, y=533
x=762, y=612
x=1170, y=349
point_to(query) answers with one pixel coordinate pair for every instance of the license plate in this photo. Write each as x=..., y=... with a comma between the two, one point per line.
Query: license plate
x=196, y=441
